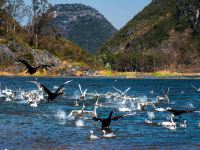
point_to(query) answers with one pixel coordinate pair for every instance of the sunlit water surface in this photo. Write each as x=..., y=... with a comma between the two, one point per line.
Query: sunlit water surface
x=47, y=126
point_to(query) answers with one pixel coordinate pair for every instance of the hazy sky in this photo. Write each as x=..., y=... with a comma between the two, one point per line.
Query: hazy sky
x=118, y=12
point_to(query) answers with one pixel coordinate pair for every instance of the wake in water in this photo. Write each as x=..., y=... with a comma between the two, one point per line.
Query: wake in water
x=61, y=116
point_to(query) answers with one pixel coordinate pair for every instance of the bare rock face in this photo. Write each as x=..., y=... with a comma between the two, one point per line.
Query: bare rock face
x=44, y=57
x=6, y=54
x=34, y=57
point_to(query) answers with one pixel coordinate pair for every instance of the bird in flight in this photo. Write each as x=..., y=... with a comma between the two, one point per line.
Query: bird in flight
x=31, y=69
x=105, y=123
x=51, y=95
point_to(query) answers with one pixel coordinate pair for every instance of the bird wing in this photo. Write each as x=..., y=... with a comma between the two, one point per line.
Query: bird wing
x=194, y=87
x=44, y=88
x=45, y=66
x=117, y=90
x=118, y=117
x=96, y=119
x=80, y=88
x=127, y=90
x=25, y=63
x=63, y=85
x=84, y=93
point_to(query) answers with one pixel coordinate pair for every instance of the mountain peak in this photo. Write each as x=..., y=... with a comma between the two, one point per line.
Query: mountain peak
x=82, y=24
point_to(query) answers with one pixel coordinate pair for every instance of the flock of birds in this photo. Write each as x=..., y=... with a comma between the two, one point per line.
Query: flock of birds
x=120, y=98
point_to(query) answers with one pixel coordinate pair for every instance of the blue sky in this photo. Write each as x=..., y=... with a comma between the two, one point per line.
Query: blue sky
x=118, y=12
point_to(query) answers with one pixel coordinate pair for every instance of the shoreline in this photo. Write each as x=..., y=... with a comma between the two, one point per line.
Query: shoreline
x=116, y=75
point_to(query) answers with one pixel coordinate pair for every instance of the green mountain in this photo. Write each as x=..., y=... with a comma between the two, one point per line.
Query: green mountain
x=165, y=35
x=68, y=58
x=82, y=24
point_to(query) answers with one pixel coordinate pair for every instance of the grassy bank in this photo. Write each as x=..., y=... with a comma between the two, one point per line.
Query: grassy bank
x=108, y=73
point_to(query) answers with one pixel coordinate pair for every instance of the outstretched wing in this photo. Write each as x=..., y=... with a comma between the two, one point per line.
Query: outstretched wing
x=63, y=85
x=44, y=88
x=126, y=91
x=45, y=66
x=117, y=117
x=80, y=88
x=117, y=90
x=25, y=63
x=96, y=119
x=194, y=87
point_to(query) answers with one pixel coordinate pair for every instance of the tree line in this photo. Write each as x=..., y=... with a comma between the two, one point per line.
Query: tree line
x=34, y=15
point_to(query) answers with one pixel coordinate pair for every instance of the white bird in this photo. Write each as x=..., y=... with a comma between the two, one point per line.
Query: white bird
x=82, y=94
x=121, y=94
x=148, y=121
x=124, y=109
x=9, y=94
x=83, y=113
x=76, y=113
x=108, y=134
x=157, y=109
x=92, y=136
x=83, y=105
x=76, y=104
x=34, y=104
x=91, y=113
x=183, y=125
x=138, y=107
x=169, y=125
x=151, y=92
x=97, y=103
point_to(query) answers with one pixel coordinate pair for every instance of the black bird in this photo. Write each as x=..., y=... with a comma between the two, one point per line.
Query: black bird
x=30, y=69
x=51, y=95
x=106, y=122
x=179, y=112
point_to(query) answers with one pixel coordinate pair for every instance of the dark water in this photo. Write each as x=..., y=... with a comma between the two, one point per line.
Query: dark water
x=25, y=127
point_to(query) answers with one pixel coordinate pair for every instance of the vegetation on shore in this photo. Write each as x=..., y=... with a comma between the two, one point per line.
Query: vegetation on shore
x=163, y=36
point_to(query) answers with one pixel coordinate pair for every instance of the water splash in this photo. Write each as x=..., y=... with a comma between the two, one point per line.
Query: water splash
x=76, y=94
x=151, y=115
x=61, y=115
x=143, y=99
x=190, y=105
x=79, y=123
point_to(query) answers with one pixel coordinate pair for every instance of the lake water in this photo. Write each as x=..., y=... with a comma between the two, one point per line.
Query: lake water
x=47, y=126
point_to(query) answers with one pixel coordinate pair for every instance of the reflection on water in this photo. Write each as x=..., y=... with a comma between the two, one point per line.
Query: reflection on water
x=48, y=127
